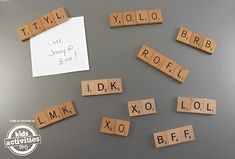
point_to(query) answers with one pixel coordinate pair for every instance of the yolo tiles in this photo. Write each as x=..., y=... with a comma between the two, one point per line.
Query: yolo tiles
x=141, y=107
x=44, y=22
x=196, y=40
x=163, y=64
x=196, y=105
x=137, y=17
x=101, y=86
x=54, y=114
x=115, y=126
x=174, y=136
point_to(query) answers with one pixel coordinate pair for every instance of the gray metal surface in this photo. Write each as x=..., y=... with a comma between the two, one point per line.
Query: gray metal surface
x=112, y=53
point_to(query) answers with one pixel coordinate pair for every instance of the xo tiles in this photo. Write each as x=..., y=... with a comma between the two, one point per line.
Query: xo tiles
x=45, y=22
x=137, y=17
x=163, y=63
x=141, y=107
x=196, y=105
x=196, y=40
x=54, y=114
x=115, y=126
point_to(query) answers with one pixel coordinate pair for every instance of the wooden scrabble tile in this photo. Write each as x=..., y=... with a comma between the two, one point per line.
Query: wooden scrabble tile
x=174, y=136
x=148, y=106
x=41, y=119
x=115, y=85
x=180, y=73
x=36, y=27
x=67, y=109
x=209, y=45
x=54, y=114
x=187, y=133
x=108, y=125
x=122, y=128
x=48, y=21
x=86, y=87
x=157, y=60
x=145, y=53
x=209, y=106
x=24, y=32
x=100, y=87
x=142, y=17
x=197, y=105
x=183, y=104
x=184, y=35
x=168, y=66
x=197, y=40
x=135, y=108
x=155, y=16
x=160, y=139
x=59, y=15
x=129, y=18
x=116, y=19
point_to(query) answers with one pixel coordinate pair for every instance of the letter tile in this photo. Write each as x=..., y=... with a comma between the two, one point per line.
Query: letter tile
x=122, y=127
x=160, y=139
x=48, y=21
x=183, y=104
x=67, y=109
x=148, y=106
x=184, y=35
x=41, y=119
x=129, y=18
x=59, y=15
x=108, y=125
x=142, y=17
x=24, y=32
x=135, y=108
x=209, y=45
x=155, y=16
x=116, y=19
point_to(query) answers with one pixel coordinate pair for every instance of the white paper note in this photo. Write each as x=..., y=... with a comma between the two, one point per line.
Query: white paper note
x=61, y=49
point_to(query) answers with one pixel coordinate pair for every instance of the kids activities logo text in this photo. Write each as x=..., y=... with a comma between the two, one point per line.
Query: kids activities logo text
x=22, y=139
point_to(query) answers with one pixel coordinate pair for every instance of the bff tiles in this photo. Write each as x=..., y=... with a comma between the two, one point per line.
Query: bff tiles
x=54, y=114
x=196, y=40
x=196, y=105
x=174, y=136
x=45, y=22
x=141, y=107
x=162, y=63
x=115, y=126
x=101, y=87
x=138, y=17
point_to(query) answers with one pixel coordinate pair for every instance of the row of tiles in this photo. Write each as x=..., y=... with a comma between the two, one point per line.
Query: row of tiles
x=196, y=105
x=163, y=63
x=137, y=17
x=174, y=136
x=54, y=114
x=44, y=22
x=101, y=86
x=196, y=40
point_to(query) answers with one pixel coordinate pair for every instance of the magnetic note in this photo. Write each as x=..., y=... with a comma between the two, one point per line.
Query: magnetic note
x=61, y=49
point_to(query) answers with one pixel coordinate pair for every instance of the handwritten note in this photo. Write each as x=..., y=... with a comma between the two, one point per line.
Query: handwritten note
x=61, y=49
